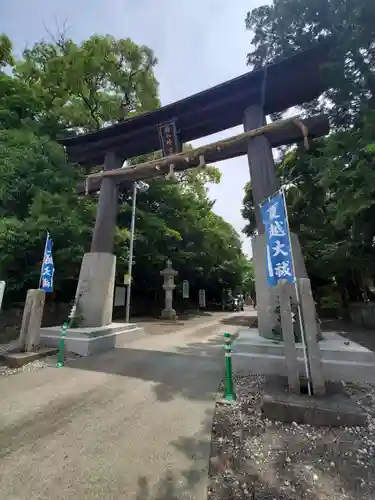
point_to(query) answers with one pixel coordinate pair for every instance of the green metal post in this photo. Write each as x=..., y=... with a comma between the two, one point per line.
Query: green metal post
x=60, y=355
x=64, y=329
x=229, y=394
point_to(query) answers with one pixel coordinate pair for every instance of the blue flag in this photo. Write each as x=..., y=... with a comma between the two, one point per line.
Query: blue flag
x=48, y=268
x=279, y=263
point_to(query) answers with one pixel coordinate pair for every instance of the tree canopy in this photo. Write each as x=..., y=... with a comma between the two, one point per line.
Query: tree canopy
x=287, y=26
x=61, y=87
x=330, y=189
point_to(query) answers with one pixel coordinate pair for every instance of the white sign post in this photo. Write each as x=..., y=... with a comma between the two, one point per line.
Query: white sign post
x=2, y=289
x=202, y=298
x=185, y=289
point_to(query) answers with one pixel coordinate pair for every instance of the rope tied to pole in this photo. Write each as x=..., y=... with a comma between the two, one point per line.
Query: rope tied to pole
x=171, y=174
x=305, y=132
x=99, y=175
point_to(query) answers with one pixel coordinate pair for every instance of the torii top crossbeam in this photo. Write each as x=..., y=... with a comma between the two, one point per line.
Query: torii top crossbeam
x=289, y=82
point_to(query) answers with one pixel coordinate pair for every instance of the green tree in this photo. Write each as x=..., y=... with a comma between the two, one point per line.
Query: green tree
x=37, y=193
x=6, y=55
x=330, y=188
x=173, y=224
x=286, y=26
x=59, y=86
x=330, y=193
x=63, y=87
x=90, y=85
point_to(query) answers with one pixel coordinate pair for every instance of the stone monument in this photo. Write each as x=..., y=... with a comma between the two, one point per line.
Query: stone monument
x=32, y=320
x=169, y=275
x=29, y=348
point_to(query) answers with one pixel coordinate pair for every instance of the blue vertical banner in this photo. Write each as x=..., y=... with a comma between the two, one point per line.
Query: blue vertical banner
x=279, y=264
x=48, y=267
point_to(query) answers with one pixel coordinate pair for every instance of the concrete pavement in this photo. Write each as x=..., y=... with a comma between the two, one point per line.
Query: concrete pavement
x=133, y=423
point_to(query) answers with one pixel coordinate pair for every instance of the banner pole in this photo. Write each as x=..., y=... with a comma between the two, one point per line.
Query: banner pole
x=60, y=356
x=298, y=297
x=67, y=324
x=44, y=255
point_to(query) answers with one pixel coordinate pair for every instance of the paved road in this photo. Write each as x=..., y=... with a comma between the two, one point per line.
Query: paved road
x=133, y=423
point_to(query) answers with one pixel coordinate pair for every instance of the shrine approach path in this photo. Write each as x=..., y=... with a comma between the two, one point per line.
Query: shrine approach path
x=132, y=423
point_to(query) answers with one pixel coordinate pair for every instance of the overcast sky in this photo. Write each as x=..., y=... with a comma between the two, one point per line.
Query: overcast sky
x=198, y=43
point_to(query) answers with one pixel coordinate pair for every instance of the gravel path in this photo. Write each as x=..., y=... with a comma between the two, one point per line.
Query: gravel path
x=254, y=458
x=34, y=365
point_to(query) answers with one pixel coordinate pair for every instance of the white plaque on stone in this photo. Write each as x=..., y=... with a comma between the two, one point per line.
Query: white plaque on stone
x=2, y=289
x=202, y=298
x=185, y=289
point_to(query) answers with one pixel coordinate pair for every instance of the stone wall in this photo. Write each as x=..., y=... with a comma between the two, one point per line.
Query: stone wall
x=363, y=314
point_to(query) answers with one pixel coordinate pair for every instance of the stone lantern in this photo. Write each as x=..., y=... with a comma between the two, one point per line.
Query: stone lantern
x=169, y=275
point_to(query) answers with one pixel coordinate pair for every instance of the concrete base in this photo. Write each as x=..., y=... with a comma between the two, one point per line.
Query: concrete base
x=341, y=360
x=16, y=359
x=96, y=289
x=88, y=341
x=266, y=294
x=169, y=314
x=334, y=409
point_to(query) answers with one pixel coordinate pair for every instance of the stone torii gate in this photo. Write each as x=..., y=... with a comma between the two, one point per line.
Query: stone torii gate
x=247, y=100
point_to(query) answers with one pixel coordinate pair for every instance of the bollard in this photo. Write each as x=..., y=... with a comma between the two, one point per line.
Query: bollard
x=229, y=393
x=64, y=328
x=60, y=356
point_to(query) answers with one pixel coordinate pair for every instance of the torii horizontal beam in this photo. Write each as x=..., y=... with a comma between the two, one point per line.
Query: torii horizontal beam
x=281, y=132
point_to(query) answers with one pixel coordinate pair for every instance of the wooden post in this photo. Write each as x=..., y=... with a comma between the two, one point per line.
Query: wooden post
x=287, y=328
x=262, y=166
x=106, y=214
x=311, y=334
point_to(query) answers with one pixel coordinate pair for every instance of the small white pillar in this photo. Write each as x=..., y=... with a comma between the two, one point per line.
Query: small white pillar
x=169, y=275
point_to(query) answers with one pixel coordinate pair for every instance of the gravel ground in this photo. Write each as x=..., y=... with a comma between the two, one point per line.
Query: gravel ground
x=254, y=458
x=34, y=365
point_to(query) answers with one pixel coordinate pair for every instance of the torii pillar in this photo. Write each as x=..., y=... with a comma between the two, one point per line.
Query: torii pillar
x=264, y=183
x=96, y=283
